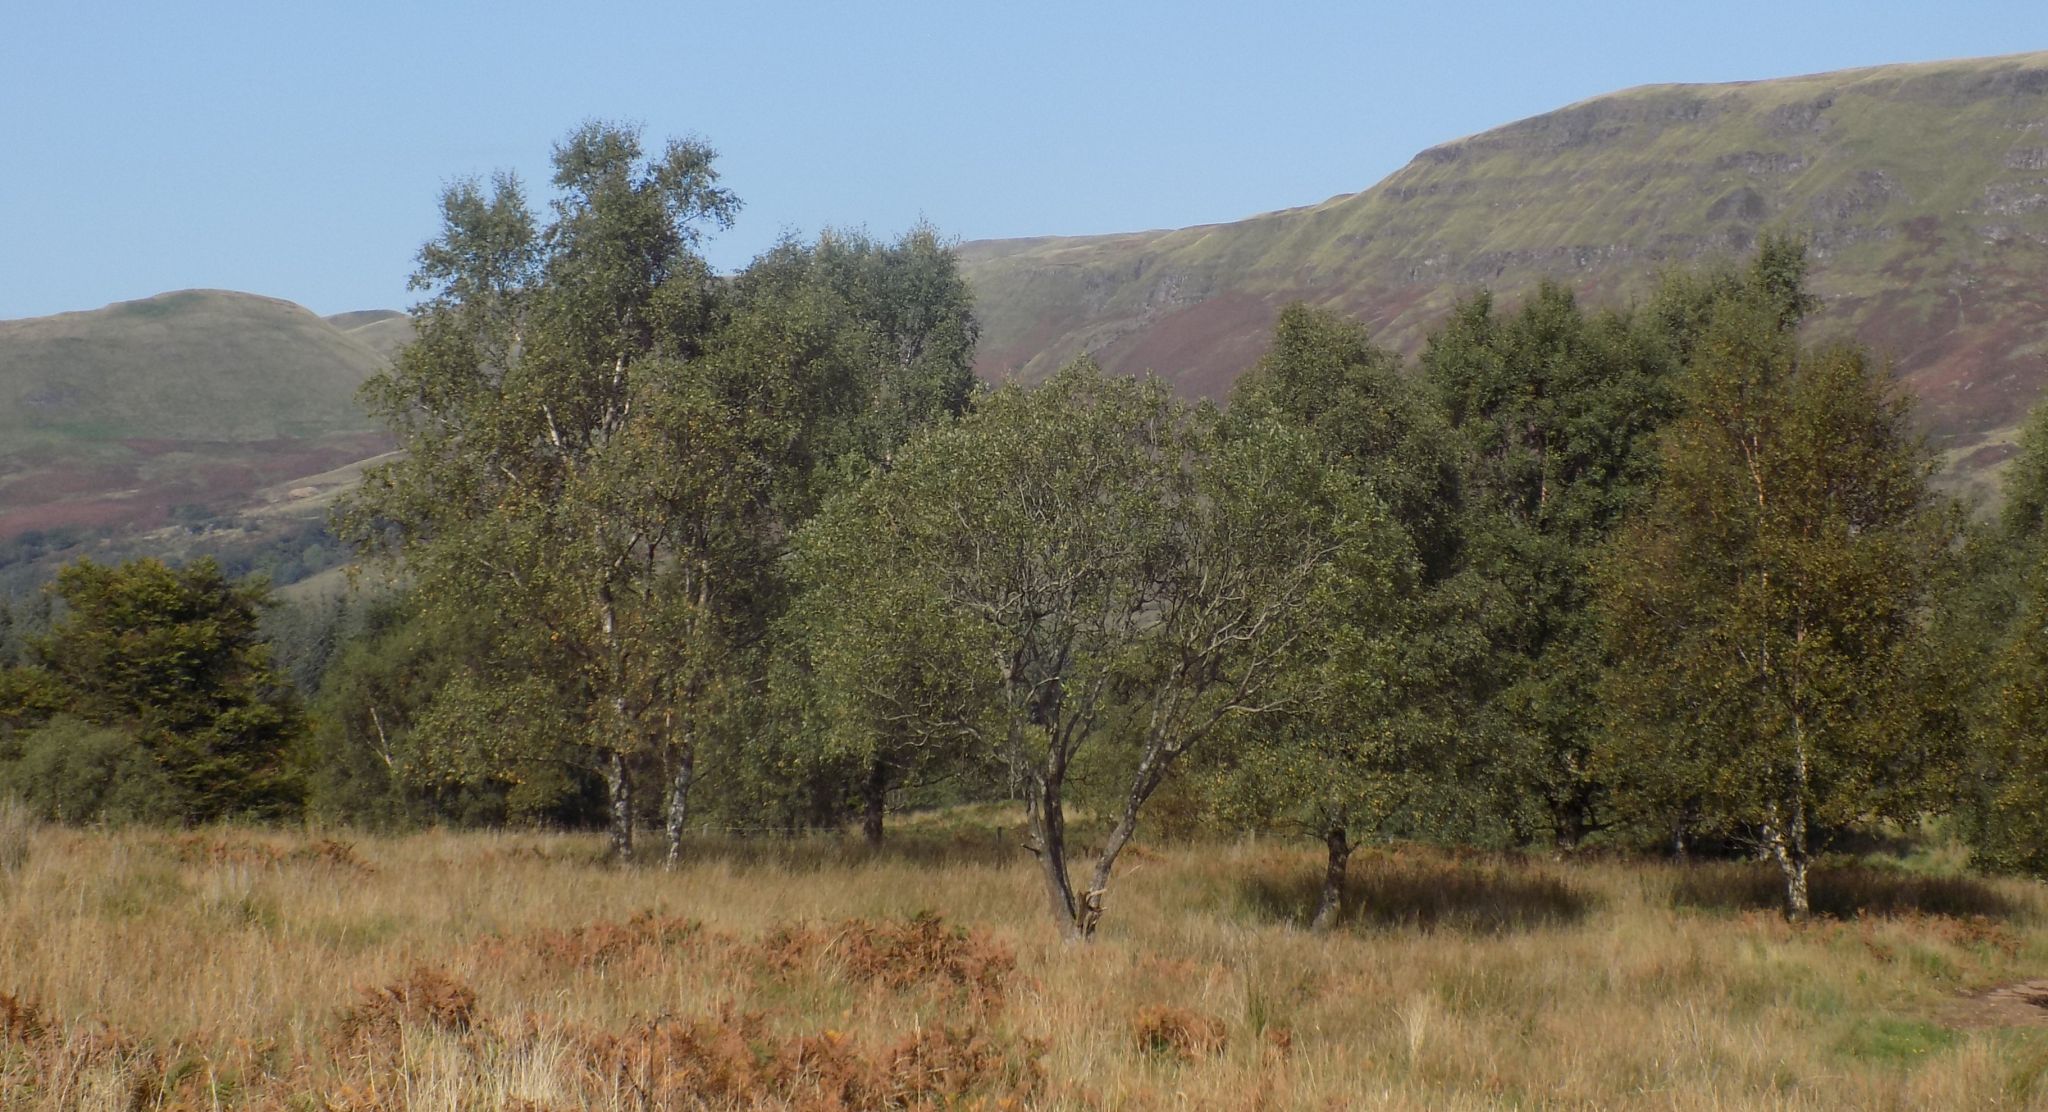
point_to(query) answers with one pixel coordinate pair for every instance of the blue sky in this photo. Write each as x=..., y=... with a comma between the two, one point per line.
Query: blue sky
x=296, y=149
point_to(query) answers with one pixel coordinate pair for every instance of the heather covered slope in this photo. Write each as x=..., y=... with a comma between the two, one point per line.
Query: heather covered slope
x=1923, y=190
x=111, y=419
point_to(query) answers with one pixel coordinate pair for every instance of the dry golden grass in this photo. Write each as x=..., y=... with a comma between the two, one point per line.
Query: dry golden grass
x=229, y=969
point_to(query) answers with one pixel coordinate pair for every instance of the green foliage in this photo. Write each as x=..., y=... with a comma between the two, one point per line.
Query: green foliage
x=869, y=669
x=1553, y=411
x=1105, y=571
x=68, y=770
x=1366, y=739
x=1326, y=376
x=372, y=765
x=892, y=336
x=1997, y=636
x=1767, y=614
x=172, y=658
x=607, y=448
x=29, y=697
x=2007, y=810
x=577, y=474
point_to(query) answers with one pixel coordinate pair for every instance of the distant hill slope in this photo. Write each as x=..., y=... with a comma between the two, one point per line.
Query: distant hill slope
x=1923, y=189
x=193, y=365
x=113, y=419
x=382, y=330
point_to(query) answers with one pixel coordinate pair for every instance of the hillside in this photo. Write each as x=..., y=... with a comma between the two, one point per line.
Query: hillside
x=1923, y=190
x=177, y=407
x=383, y=331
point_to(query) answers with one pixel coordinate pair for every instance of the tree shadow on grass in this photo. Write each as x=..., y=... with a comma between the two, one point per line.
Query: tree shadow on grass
x=1398, y=893
x=1839, y=892
x=822, y=852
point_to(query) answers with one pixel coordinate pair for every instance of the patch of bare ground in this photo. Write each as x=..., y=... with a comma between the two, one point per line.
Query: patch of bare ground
x=2020, y=1004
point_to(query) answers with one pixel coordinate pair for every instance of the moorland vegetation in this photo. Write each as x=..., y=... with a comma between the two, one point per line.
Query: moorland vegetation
x=675, y=550
x=750, y=560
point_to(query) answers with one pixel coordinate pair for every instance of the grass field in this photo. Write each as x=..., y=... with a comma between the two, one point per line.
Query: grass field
x=233, y=969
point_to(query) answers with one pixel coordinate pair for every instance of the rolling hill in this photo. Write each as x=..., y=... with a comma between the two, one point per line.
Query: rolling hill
x=1923, y=190
x=178, y=408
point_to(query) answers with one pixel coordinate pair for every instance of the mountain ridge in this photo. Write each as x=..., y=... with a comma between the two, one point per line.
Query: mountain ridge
x=1922, y=188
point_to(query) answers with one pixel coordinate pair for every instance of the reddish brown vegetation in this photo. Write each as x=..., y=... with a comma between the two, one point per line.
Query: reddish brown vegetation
x=203, y=849
x=1178, y=1033
x=731, y=1060
x=603, y=943
x=898, y=956
x=727, y=1059
x=137, y=494
x=425, y=997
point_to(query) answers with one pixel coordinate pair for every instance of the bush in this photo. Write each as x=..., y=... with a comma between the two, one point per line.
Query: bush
x=72, y=771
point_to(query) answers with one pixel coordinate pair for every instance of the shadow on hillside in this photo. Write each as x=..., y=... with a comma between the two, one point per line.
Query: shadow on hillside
x=1840, y=892
x=817, y=853
x=1392, y=893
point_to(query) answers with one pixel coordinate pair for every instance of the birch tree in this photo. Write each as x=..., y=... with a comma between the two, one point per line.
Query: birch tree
x=566, y=462
x=1766, y=615
x=607, y=446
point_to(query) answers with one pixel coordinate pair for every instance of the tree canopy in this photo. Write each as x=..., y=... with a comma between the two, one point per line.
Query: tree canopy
x=1767, y=611
x=1090, y=568
x=166, y=667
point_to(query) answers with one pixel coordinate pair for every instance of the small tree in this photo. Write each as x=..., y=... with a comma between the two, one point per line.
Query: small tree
x=870, y=665
x=1107, y=567
x=1766, y=614
x=1367, y=731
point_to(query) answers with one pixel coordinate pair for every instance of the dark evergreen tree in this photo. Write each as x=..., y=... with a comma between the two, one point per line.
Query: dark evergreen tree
x=173, y=657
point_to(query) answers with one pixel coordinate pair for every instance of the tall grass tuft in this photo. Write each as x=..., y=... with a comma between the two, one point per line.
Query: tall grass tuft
x=17, y=834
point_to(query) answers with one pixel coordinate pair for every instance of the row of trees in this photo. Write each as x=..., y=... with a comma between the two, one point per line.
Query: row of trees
x=666, y=547
x=608, y=451
x=1660, y=569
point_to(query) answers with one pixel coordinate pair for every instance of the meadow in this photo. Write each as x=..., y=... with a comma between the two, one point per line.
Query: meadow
x=231, y=968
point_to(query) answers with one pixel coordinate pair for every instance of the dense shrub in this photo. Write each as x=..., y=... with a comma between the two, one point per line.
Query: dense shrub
x=72, y=771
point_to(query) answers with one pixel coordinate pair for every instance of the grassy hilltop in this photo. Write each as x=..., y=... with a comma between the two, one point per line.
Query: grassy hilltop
x=194, y=366
x=1923, y=189
x=177, y=410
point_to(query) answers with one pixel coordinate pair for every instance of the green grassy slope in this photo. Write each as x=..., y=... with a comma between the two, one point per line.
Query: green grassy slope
x=1923, y=189
x=382, y=330
x=199, y=365
x=176, y=408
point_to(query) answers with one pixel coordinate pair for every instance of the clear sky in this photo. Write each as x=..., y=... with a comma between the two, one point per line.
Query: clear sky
x=296, y=147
